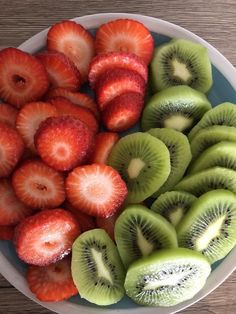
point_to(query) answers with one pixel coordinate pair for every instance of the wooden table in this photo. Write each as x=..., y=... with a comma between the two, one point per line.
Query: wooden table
x=213, y=20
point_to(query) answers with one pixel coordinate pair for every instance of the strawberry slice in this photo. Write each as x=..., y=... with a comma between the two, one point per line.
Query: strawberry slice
x=6, y=233
x=61, y=71
x=46, y=237
x=103, y=145
x=96, y=190
x=115, y=82
x=64, y=142
x=29, y=118
x=52, y=283
x=38, y=185
x=111, y=60
x=8, y=114
x=11, y=149
x=125, y=35
x=23, y=77
x=75, y=42
x=12, y=210
x=108, y=224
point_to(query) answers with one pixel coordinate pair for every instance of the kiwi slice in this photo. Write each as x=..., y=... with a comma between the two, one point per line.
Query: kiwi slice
x=209, y=179
x=178, y=107
x=143, y=161
x=210, y=225
x=167, y=277
x=222, y=154
x=210, y=136
x=139, y=232
x=173, y=205
x=97, y=270
x=180, y=155
x=223, y=114
x=181, y=62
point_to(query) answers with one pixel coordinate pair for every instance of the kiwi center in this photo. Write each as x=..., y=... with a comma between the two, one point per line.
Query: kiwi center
x=180, y=70
x=102, y=271
x=178, y=122
x=135, y=167
x=176, y=215
x=145, y=247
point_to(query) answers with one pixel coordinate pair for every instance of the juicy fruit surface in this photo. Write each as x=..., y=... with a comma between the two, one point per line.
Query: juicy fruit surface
x=8, y=114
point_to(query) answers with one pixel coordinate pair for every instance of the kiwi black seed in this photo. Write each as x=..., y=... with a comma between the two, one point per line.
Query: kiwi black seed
x=139, y=231
x=178, y=107
x=143, y=162
x=210, y=225
x=167, y=277
x=181, y=62
x=180, y=155
x=97, y=269
x=173, y=205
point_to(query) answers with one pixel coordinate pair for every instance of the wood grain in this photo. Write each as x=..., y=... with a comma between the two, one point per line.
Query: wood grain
x=213, y=20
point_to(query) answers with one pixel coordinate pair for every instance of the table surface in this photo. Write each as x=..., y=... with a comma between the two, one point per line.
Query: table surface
x=213, y=20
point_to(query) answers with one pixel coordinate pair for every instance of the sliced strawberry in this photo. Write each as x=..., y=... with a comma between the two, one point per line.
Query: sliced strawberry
x=61, y=71
x=52, y=283
x=125, y=35
x=66, y=107
x=96, y=190
x=29, y=118
x=12, y=210
x=111, y=60
x=46, y=237
x=64, y=142
x=75, y=42
x=23, y=77
x=108, y=224
x=11, y=149
x=8, y=114
x=115, y=82
x=103, y=145
x=6, y=232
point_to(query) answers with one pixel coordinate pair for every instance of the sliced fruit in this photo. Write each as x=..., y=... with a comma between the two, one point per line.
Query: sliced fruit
x=108, y=224
x=6, y=233
x=8, y=114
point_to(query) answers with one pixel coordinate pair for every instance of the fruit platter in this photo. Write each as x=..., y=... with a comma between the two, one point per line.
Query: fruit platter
x=117, y=166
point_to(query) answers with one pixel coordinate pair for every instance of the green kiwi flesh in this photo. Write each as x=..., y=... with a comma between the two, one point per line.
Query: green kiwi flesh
x=97, y=270
x=167, y=277
x=210, y=225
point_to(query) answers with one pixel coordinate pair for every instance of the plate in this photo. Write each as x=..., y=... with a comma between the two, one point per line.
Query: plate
x=224, y=76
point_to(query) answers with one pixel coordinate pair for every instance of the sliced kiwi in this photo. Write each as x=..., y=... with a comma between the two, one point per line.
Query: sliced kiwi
x=180, y=155
x=222, y=154
x=97, y=269
x=143, y=161
x=139, y=232
x=223, y=114
x=210, y=225
x=209, y=179
x=181, y=62
x=167, y=277
x=173, y=205
x=178, y=107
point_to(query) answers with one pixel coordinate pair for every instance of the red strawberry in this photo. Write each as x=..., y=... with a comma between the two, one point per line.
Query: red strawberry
x=115, y=82
x=23, y=78
x=11, y=149
x=96, y=190
x=6, y=232
x=111, y=60
x=61, y=71
x=12, y=210
x=52, y=283
x=63, y=142
x=125, y=35
x=38, y=185
x=75, y=42
x=103, y=145
x=29, y=118
x=65, y=107
x=123, y=112
x=46, y=237
x=108, y=224
x=8, y=114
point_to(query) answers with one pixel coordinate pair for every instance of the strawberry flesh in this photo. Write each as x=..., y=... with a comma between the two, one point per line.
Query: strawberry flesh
x=6, y=233
x=8, y=114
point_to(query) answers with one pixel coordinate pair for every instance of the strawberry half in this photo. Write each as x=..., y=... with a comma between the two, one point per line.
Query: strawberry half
x=125, y=35
x=38, y=185
x=112, y=60
x=6, y=232
x=108, y=224
x=23, y=77
x=75, y=42
x=96, y=190
x=29, y=119
x=52, y=283
x=63, y=142
x=61, y=71
x=8, y=114
x=46, y=237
